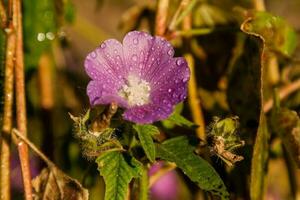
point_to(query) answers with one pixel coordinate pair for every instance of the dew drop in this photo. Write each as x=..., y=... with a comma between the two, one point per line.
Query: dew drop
x=93, y=54
x=41, y=37
x=50, y=36
x=179, y=62
x=115, y=51
x=135, y=41
x=169, y=90
x=134, y=57
x=103, y=45
x=170, y=52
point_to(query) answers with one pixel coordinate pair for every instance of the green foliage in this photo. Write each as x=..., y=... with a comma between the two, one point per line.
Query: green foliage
x=181, y=121
x=40, y=28
x=144, y=185
x=259, y=160
x=275, y=31
x=286, y=124
x=145, y=133
x=177, y=119
x=180, y=150
x=118, y=169
x=244, y=86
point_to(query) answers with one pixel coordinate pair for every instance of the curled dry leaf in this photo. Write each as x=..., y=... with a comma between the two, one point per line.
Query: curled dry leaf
x=52, y=183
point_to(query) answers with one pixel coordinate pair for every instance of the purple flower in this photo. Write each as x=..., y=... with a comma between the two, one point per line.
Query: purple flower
x=141, y=75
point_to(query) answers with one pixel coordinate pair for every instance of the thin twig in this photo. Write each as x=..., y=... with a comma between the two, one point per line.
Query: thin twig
x=3, y=15
x=21, y=105
x=194, y=101
x=259, y=5
x=184, y=9
x=283, y=93
x=33, y=147
x=7, y=110
x=181, y=6
x=161, y=17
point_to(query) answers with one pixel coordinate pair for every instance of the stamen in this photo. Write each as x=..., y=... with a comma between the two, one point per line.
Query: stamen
x=136, y=91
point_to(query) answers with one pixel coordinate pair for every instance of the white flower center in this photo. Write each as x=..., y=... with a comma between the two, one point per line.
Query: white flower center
x=136, y=91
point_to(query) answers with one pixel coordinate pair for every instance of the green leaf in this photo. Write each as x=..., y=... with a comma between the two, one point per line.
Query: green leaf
x=180, y=150
x=117, y=169
x=177, y=119
x=181, y=121
x=259, y=160
x=145, y=133
x=241, y=94
x=276, y=32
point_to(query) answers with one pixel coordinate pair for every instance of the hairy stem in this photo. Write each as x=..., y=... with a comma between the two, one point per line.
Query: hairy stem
x=161, y=17
x=21, y=104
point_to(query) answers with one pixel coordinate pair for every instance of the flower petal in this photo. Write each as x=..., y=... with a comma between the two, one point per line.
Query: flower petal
x=106, y=62
x=169, y=87
x=100, y=92
x=146, y=55
x=147, y=114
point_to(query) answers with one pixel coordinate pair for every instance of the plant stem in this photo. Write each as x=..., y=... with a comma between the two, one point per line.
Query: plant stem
x=259, y=5
x=7, y=111
x=161, y=17
x=283, y=93
x=33, y=147
x=21, y=105
x=3, y=15
x=194, y=101
x=182, y=11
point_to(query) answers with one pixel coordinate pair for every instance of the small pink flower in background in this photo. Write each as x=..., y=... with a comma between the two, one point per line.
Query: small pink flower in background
x=166, y=187
x=141, y=75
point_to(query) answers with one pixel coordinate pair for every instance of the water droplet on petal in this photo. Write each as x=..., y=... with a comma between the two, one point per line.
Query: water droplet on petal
x=103, y=45
x=115, y=51
x=134, y=57
x=135, y=41
x=169, y=90
x=179, y=62
x=93, y=54
x=170, y=52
